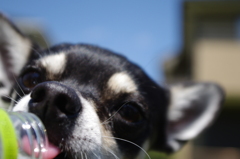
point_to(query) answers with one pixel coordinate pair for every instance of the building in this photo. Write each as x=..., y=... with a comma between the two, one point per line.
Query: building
x=211, y=52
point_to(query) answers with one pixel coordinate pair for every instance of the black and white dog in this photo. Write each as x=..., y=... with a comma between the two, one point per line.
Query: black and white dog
x=96, y=104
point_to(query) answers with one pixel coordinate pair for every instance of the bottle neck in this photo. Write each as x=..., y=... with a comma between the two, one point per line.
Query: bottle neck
x=29, y=135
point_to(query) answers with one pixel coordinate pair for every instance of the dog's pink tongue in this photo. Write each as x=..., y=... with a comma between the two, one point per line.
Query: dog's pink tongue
x=49, y=152
x=52, y=151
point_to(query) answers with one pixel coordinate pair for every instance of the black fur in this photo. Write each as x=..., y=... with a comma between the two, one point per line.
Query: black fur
x=86, y=72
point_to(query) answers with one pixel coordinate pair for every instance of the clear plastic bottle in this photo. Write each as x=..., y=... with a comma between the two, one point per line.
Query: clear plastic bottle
x=22, y=135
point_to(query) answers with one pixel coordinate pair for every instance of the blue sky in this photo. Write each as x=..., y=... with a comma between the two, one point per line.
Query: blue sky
x=147, y=32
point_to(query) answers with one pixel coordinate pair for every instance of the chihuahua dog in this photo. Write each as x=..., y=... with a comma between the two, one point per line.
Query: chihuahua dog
x=96, y=104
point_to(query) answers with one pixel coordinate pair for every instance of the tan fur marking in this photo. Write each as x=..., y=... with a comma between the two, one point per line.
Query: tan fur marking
x=121, y=82
x=54, y=64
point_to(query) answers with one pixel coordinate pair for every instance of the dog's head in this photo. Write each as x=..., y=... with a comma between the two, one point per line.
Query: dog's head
x=97, y=104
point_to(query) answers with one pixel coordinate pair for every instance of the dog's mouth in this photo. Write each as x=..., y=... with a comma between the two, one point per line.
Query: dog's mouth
x=52, y=152
x=49, y=151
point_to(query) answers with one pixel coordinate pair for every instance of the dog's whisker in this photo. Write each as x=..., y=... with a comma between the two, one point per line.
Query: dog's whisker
x=105, y=122
x=128, y=142
x=13, y=102
x=65, y=156
x=10, y=98
x=44, y=39
x=17, y=93
x=98, y=157
x=37, y=52
x=19, y=85
x=115, y=156
x=81, y=155
x=86, y=156
x=107, y=151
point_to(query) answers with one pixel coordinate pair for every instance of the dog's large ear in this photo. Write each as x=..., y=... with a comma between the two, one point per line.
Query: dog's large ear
x=192, y=108
x=15, y=49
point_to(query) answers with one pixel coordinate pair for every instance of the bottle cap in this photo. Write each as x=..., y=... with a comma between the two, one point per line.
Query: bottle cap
x=8, y=137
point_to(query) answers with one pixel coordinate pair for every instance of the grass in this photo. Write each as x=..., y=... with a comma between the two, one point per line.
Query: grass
x=157, y=155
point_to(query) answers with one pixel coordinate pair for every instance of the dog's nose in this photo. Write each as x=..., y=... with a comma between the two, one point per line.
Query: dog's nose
x=54, y=98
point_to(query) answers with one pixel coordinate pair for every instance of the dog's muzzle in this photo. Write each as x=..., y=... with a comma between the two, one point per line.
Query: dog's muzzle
x=58, y=106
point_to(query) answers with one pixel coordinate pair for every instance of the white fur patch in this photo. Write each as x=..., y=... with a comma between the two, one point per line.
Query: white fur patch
x=89, y=127
x=181, y=99
x=17, y=45
x=207, y=115
x=121, y=82
x=22, y=105
x=4, y=91
x=205, y=98
x=17, y=49
x=54, y=64
x=3, y=77
x=90, y=132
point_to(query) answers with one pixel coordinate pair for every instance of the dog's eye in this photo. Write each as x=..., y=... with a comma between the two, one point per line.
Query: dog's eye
x=31, y=79
x=131, y=113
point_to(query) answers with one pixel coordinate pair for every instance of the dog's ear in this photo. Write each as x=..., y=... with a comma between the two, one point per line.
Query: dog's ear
x=15, y=49
x=192, y=108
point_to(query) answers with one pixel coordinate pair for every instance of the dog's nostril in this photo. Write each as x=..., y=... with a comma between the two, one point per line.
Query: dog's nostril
x=53, y=97
x=61, y=102
x=67, y=103
x=38, y=95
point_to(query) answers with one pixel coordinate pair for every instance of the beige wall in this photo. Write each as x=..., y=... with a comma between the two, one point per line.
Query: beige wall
x=218, y=61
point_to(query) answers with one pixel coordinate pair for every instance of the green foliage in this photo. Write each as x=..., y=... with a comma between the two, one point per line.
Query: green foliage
x=157, y=155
